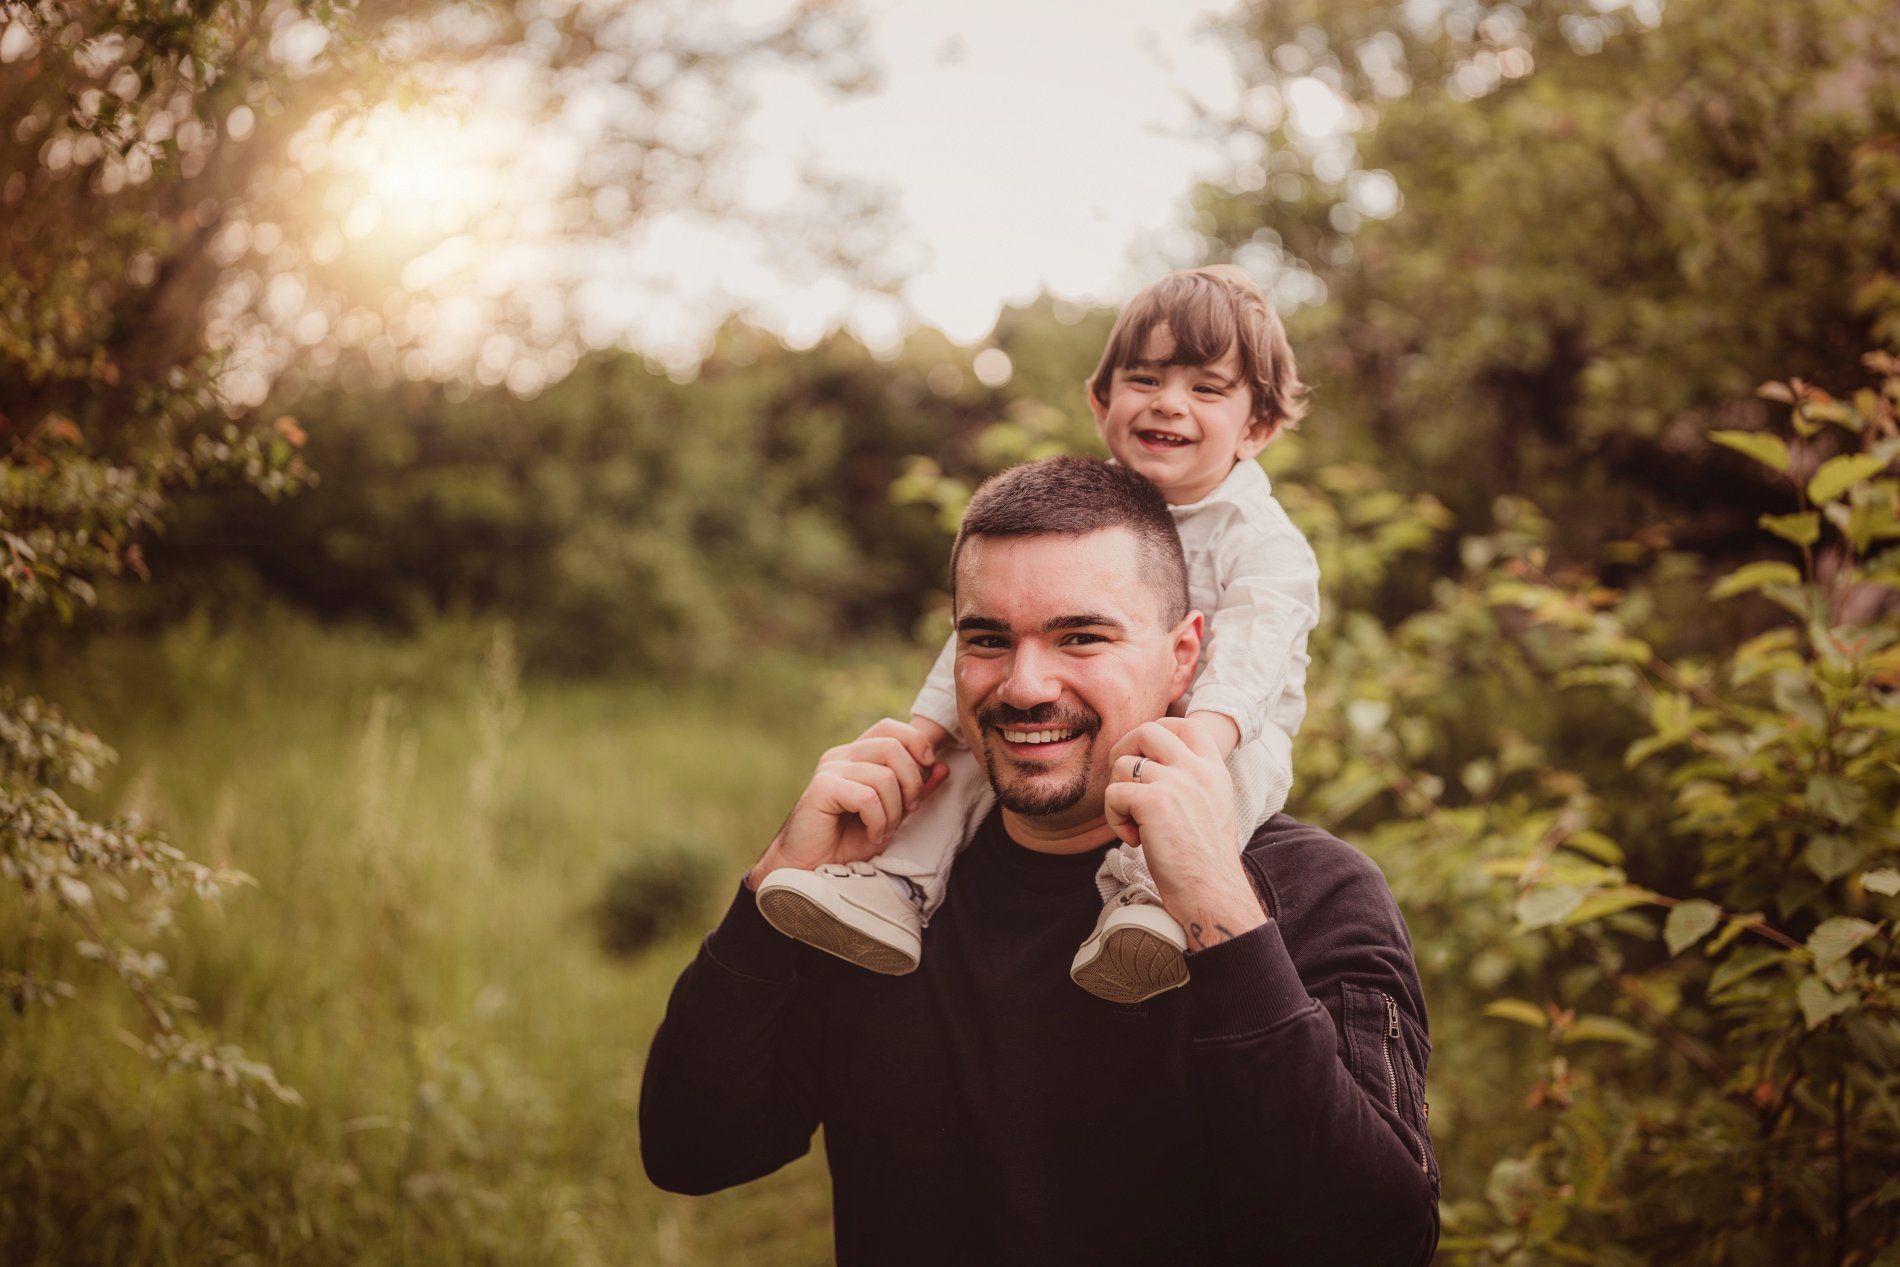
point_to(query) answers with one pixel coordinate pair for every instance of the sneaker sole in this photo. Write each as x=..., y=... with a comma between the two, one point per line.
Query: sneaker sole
x=1132, y=965
x=799, y=917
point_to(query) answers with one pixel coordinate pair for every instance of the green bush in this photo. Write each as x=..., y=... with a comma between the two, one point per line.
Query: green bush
x=1663, y=990
x=665, y=890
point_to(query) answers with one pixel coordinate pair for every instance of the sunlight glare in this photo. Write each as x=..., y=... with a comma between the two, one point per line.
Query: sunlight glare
x=428, y=169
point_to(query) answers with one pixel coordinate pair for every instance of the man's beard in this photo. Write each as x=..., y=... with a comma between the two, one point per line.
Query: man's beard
x=1019, y=796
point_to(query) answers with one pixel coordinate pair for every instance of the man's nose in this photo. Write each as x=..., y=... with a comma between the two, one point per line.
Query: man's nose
x=1032, y=679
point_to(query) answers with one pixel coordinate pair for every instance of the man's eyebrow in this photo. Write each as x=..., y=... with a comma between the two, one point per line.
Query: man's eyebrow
x=1080, y=620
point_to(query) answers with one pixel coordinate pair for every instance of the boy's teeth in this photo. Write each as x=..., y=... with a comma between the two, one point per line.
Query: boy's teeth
x=1038, y=736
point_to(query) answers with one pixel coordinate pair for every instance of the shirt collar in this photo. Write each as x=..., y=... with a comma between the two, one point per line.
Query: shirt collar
x=1246, y=481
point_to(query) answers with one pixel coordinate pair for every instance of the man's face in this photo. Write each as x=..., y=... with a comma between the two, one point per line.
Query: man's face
x=1061, y=650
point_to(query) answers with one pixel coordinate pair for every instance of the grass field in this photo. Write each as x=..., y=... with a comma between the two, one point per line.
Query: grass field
x=419, y=959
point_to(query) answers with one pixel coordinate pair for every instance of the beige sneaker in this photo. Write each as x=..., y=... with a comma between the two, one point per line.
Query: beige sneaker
x=851, y=910
x=1136, y=952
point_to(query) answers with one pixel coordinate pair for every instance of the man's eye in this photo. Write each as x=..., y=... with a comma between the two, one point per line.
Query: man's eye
x=986, y=642
x=1085, y=639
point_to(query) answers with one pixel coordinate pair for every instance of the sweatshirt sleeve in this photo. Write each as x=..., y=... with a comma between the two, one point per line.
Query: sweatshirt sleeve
x=729, y=1092
x=937, y=701
x=1255, y=672
x=1311, y=1066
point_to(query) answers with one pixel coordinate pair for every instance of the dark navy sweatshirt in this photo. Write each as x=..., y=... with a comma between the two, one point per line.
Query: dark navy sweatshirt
x=987, y=1110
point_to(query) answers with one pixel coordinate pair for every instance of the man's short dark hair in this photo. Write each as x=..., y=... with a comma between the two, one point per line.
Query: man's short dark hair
x=1073, y=497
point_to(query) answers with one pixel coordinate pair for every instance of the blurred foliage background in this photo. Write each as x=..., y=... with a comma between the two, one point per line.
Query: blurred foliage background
x=455, y=662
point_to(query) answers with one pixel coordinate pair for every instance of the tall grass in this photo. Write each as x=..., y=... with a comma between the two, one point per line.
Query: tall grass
x=419, y=957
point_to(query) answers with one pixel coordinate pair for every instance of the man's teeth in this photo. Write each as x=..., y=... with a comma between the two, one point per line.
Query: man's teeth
x=1038, y=736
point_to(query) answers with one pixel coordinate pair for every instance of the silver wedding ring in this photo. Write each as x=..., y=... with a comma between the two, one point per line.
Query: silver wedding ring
x=1135, y=774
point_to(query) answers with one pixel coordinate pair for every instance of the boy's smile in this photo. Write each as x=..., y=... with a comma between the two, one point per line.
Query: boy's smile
x=1181, y=426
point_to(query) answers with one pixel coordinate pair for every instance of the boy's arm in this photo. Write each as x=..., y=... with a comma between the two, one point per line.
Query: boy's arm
x=1255, y=672
x=937, y=701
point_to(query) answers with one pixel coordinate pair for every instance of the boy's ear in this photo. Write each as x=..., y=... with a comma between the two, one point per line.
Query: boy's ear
x=1258, y=433
x=1096, y=407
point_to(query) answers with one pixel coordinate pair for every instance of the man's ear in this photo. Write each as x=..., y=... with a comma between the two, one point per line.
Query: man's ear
x=1185, y=646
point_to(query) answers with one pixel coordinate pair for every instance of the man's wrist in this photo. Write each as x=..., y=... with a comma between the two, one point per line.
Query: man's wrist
x=1210, y=924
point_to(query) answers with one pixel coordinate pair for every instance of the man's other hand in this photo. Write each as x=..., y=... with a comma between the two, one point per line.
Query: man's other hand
x=1170, y=793
x=857, y=796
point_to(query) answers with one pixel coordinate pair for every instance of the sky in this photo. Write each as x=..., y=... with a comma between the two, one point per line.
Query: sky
x=1021, y=146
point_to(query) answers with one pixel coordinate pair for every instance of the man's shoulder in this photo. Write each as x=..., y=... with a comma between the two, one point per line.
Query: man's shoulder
x=1303, y=869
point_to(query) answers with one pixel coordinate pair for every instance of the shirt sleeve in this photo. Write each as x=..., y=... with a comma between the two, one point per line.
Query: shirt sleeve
x=1255, y=670
x=730, y=1089
x=1309, y=1050
x=937, y=701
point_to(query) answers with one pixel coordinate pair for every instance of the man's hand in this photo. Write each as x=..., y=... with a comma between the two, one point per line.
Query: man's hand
x=1180, y=810
x=857, y=796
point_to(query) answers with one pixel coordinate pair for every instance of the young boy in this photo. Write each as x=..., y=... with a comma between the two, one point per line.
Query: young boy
x=1196, y=379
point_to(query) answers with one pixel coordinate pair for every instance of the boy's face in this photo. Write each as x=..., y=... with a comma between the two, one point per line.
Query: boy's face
x=1182, y=426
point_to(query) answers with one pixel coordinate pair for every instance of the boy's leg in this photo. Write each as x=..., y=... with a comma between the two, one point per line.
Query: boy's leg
x=1137, y=949
x=1262, y=772
x=872, y=913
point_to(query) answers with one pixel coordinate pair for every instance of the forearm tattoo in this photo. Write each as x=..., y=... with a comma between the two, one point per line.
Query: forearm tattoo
x=1205, y=937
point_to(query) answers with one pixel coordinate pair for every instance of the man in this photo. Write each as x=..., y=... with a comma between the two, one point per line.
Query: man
x=984, y=1109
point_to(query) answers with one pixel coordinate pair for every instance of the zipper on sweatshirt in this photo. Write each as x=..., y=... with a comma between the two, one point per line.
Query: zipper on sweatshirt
x=1392, y=1074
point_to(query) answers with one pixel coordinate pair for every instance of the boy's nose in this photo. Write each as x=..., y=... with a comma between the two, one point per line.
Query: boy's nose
x=1171, y=400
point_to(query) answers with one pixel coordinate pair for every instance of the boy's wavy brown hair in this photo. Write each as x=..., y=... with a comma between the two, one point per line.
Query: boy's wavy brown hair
x=1209, y=310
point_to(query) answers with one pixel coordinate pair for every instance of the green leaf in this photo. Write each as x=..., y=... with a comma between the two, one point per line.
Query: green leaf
x=1885, y=881
x=1742, y=965
x=1754, y=576
x=1735, y=927
x=1769, y=450
x=1803, y=529
x=1830, y=857
x=1596, y=845
x=1818, y=1003
x=1518, y=1010
x=1689, y=923
x=1611, y=902
x=1605, y=1029
x=1835, y=939
x=1543, y=907
x=1837, y=475
x=1836, y=799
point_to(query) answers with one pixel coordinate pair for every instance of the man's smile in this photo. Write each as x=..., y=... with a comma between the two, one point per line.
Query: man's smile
x=1040, y=736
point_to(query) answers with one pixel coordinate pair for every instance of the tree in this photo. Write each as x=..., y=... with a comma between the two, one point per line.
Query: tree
x=1559, y=242
x=162, y=266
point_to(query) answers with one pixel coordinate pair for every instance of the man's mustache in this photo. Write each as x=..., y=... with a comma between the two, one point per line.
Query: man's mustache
x=1042, y=717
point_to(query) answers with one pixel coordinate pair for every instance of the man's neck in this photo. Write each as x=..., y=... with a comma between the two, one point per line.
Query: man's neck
x=1057, y=833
